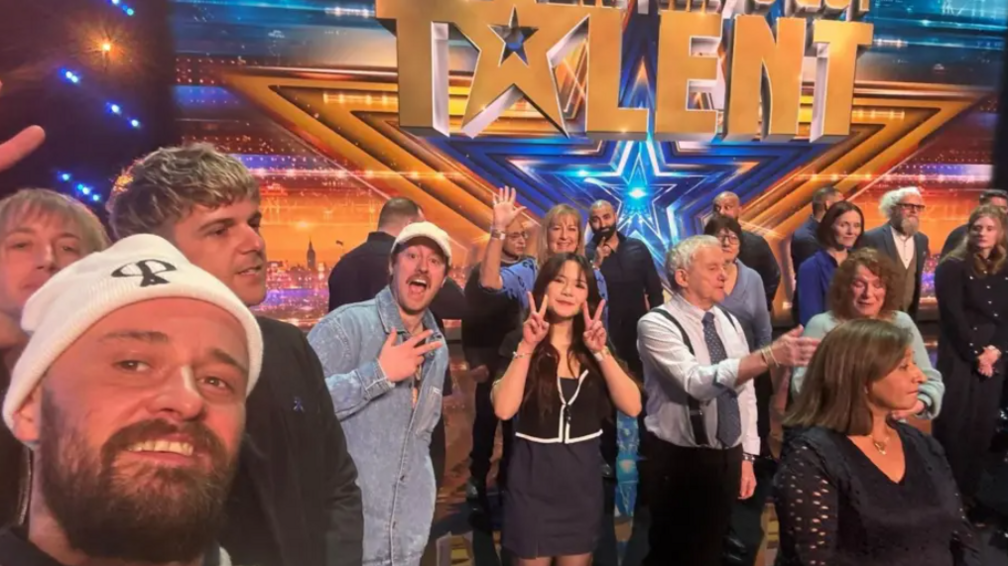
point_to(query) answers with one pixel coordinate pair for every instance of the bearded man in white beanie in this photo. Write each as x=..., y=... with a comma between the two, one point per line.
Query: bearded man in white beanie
x=131, y=394
x=385, y=365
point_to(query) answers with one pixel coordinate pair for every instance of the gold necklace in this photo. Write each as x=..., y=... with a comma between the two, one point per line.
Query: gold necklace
x=881, y=446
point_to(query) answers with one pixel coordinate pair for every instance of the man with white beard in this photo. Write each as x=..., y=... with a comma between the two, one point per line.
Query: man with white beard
x=900, y=238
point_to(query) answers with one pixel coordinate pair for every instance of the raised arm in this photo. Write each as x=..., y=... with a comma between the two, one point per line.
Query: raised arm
x=509, y=390
x=504, y=213
x=625, y=394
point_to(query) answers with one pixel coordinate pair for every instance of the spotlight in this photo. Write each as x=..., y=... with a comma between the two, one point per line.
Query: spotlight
x=65, y=177
x=86, y=190
x=135, y=123
x=96, y=197
x=637, y=193
x=106, y=47
x=115, y=109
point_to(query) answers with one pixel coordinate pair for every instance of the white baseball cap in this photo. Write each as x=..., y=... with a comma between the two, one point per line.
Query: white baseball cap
x=425, y=230
x=135, y=269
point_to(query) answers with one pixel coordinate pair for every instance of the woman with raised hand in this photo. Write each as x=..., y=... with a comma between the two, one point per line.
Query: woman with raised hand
x=856, y=488
x=560, y=386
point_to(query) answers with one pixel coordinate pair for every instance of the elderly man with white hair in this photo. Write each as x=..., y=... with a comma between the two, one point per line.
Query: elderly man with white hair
x=701, y=408
x=900, y=238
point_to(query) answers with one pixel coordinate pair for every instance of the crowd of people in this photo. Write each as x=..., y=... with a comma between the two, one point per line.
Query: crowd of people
x=152, y=419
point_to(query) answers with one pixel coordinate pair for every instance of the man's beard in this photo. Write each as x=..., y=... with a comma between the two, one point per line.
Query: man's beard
x=151, y=513
x=605, y=232
x=908, y=226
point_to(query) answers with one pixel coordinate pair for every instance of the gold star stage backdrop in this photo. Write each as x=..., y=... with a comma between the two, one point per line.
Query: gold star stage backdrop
x=656, y=106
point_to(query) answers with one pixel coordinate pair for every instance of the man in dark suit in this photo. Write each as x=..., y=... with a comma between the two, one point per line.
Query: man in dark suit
x=754, y=250
x=900, y=238
x=804, y=243
x=997, y=197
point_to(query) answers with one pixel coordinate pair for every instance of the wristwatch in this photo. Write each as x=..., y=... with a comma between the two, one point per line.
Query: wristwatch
x=748, y=457
x=496, y=234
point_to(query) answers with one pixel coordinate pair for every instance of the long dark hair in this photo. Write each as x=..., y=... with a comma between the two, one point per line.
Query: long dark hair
x=541, y=384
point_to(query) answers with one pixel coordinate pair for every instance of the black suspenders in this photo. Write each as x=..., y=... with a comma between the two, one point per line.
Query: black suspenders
x=696, y=415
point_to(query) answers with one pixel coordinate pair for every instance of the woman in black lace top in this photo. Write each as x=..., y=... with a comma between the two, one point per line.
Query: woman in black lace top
x=854, y=489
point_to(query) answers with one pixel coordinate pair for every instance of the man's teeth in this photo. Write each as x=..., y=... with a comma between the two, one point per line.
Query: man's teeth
x=183, y=448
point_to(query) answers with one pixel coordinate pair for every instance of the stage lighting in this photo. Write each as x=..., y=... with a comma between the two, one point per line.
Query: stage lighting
x=637, y=193
x=96, y=197
x=71, y=76
x=115, y=109
x=106, y=47
x=135, y=123
x=65, y=177
x=84, y=189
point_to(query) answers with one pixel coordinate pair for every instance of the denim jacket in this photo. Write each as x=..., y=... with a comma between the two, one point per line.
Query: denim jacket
x=388, y=438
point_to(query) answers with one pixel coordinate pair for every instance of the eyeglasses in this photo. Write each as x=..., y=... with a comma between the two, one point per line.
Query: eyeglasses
x=915, y=207
x=731, y=239
x=518, y=235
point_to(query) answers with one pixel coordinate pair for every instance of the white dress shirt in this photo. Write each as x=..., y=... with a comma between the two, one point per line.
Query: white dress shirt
x=671, y=372
x=904, y=247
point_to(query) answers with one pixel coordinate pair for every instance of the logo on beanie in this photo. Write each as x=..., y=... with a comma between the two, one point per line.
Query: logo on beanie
x=147, y=270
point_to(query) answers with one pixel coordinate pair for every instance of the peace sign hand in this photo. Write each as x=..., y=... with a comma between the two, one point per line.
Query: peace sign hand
x=595, y=335
x=400, y=362
x=505, y=210
x=535, y=328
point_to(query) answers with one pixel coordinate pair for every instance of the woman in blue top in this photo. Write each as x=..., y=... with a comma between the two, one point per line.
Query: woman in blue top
x=837, y=234
x=744, y=295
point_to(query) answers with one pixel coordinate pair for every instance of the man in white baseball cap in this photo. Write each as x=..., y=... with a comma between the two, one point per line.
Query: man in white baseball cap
x=131, y=394
x=385, y=365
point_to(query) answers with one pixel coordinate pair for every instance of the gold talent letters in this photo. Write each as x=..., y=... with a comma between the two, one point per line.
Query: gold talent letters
x=520, y=43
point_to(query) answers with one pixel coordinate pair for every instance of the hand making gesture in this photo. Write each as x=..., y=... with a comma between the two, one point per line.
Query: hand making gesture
x=595, y=335
x=535, y=328
x=504, y=208
x=16, y=148
x=399, y=362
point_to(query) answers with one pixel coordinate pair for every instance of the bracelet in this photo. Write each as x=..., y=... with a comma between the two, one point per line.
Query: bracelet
x=518, y=356
x=748, y=457
x=768, y=358
x=602, y=354
x=496, y=234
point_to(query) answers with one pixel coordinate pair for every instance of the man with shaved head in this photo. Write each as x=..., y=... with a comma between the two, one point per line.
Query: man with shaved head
x=754, y=250
x=635, y=289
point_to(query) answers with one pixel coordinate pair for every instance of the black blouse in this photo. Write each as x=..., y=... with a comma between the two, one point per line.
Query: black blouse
x=836, y=508
x=973, y=309
x=575, y=415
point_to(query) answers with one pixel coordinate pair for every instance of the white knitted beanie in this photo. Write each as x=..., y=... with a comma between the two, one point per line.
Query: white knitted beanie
x=135, y=269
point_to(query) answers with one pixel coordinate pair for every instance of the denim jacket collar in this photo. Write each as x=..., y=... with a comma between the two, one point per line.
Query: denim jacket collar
x=388, y=313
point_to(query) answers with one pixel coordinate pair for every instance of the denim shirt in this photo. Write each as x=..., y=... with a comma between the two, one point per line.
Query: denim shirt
x=388, y=438
x=519, y=279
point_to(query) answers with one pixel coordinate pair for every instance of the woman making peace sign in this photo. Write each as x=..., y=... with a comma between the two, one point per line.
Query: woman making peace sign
x=560, y=386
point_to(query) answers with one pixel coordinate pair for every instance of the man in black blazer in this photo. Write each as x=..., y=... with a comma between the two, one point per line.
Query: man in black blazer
x=900, y=238
x=754, y=250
